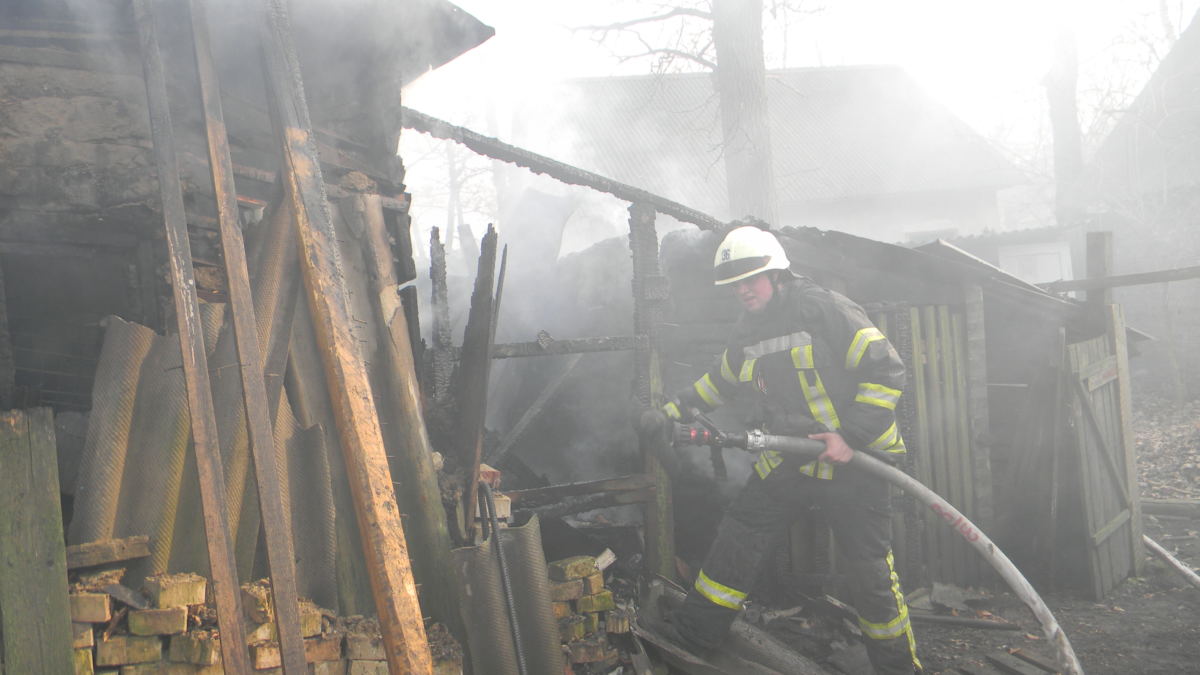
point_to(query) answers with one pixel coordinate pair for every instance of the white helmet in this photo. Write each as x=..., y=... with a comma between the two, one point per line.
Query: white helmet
x=746, y=251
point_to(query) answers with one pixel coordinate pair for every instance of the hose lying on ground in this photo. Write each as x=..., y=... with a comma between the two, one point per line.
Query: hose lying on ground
x=809, y=449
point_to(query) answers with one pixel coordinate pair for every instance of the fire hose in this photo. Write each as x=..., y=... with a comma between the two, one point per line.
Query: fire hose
x=756, y=441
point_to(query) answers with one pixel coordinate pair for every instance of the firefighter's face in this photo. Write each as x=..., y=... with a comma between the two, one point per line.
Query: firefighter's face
x=755, y=292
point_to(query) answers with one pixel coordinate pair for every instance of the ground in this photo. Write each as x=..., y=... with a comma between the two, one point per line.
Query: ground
x=1149, y=624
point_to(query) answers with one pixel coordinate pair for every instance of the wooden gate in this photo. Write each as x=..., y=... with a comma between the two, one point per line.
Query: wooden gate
x=1107, y=492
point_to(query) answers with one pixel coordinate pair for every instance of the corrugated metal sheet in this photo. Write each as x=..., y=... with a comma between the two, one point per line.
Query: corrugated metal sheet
x=138, y=473
x=836, y=133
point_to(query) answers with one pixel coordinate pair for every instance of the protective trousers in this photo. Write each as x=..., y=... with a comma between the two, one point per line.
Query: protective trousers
x=856, y=505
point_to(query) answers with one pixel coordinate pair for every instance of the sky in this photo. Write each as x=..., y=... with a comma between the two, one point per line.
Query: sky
x=984, y=60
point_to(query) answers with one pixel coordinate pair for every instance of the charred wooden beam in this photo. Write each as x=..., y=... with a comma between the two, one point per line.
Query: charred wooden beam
x=551, y=347
x=276, y=524
x=473, y=372
x=222, y=565
x=650, y=290
x=569, y=506
x=553, y=493
x=534, y=410
x=385, y=548
x=443, y=348
x=496, y=149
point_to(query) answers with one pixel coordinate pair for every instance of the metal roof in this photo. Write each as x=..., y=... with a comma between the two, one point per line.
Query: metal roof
x=837, y=133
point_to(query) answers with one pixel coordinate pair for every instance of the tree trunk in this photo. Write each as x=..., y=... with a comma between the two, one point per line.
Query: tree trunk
x=1061, y=84
x=742, y=87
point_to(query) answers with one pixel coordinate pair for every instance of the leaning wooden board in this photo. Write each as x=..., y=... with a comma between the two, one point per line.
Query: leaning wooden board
x=35, y=616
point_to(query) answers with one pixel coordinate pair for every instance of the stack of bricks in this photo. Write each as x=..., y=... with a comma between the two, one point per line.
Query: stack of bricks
x=177, y=634
x=587, y=614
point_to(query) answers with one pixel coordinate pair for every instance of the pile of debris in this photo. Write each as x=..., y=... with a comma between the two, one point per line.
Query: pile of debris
x=588, y=614
x=171, y=627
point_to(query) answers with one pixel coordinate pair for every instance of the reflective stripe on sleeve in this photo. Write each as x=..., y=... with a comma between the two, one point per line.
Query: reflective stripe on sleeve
x=802, y=357
x=672, y=411
x=726, y=371
x=887, y=439
x=719, y=594
x=747, y=374
x=877, y=394
x=708, y=391
x=858, y=346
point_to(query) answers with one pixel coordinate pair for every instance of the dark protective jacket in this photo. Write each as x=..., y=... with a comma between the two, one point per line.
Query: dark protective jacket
x=816, y=363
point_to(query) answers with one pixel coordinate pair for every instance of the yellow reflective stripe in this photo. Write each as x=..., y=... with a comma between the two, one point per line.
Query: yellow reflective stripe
x=726, y=371
x=809, y=469
x=886, y=439
x=897, y=448
x=820, y=470
x=672, y=411
x=719, y=594
x=802, y=357
x=858, y=346
x=708, y=391
x=747, y=373
x=766, y=463
x=897, y=627
x=877, y=394
x=818, y=401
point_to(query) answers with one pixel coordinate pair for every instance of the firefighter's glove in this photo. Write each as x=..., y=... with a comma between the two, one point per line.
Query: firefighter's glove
x=677, y=411
x=656, y=436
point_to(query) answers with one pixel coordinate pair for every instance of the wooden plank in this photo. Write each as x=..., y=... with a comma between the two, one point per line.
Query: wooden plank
x=384, y=546
x=977, y=405
x=553, y=493
x=966, y=448
x=1101, y=445
x=1100, y=372
x=95, y=553
x=222, y=566
x=649, y=292
x=937, y=455
x=1086, y=470
x=567, y=346
x=1116, y=333
x=921, y=451
x=473, y=374
x=954, y=488
x=1120, y=280
x=419, y=493
x=1182, y=508
x=1101, y=536
x=35, y=615
x=276, y=522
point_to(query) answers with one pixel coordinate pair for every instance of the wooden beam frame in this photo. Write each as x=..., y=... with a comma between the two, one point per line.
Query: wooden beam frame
x=385, y=548
x=281, y=557
x=222, y=565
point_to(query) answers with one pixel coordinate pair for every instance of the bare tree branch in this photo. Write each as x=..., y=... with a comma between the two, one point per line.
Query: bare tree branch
x=626, y=25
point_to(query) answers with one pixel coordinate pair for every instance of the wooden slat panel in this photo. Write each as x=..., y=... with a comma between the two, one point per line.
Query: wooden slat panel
x=965, y=447
x=944, y=568
x=1075, y=358
x=1116, y=332
x=35, y=617
x=954, y=487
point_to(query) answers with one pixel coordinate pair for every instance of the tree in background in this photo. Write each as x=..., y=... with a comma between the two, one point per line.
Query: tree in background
x=726, y=38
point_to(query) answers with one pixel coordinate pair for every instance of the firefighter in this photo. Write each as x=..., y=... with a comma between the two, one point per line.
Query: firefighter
x=817, y=367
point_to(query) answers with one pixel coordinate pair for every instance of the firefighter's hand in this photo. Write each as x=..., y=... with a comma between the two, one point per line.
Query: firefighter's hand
x=677, y=411
x=836, y=450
